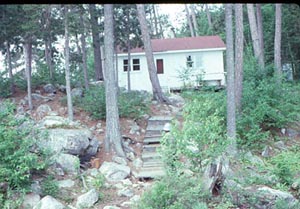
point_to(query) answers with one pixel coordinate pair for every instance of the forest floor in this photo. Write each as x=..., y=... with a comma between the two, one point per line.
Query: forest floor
x=110, y=196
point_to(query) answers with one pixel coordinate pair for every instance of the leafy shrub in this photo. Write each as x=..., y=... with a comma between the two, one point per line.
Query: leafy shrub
x=131, y=104
x=16, y=161
x=49, y=186
x=286, y=165
x=203, y=134
x=5, y=87
x=174, y=192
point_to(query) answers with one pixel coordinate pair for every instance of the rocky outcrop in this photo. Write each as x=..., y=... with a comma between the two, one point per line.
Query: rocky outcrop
x=49, y=202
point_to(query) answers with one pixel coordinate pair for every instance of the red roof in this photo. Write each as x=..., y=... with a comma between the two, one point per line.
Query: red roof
x=174, y=44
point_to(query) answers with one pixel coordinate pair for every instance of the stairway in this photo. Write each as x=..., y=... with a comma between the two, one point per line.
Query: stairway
x=152, y=164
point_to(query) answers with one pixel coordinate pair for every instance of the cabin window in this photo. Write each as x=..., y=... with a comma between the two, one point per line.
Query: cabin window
x=136, y=64
x=125, y=65
x=189, y=61
x=160, y=66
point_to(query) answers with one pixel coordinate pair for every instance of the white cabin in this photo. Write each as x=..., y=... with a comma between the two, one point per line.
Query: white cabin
x=191, y=61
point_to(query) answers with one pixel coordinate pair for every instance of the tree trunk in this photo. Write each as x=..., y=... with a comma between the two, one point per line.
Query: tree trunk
x=277, y=40
x=96, y=43
x=157, y=91
x=155, y=21
x=28, y=59
x=254, y=35
x=113, y=133
x=116, y=70
x=239, y=50
x=129, y=66
x=11, y=77
x=210, y=25
x=260, y=29
x=67, y=65
x=48, y=50
x=84, y=56
x=195, y=24
x=231, y=118
x=189, y=20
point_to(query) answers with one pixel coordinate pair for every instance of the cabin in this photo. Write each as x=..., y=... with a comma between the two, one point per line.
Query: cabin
x=180, y=62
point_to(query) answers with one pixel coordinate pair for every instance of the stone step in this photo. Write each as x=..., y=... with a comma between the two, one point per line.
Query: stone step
x=160, y=118
x=151, y=147
x=152, y=173
x=149, y=156
x=152, y=140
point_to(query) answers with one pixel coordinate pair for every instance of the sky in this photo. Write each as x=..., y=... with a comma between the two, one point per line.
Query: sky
x=175, y=12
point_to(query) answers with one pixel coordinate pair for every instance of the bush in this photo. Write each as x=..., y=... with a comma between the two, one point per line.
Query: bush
x=17, y=162
x=203, y=134
x=174, y=192
x=49, y=186
x=131, y=104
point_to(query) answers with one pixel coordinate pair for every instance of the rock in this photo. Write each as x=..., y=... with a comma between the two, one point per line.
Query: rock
x=77, y=92
x=280, y=145
x=127, y=182
x=126, y=192
x=39, y=97
x=67, y=183
x=167, y=127
x=62, y=88
x=111, y=207
x=137, y=163
x=20, y=110
x=96, y=83
x=49, y=202
x=36, y=187
x=114, y=172
x=253, y=159
x=176, y=100
x=292, y=133
x=266, y=151
x=43, y=110
x=49, y=88
x=135, y=198
x=68, y=163
x=119, y=160
x=130, y=156
x=30, y=200
x=88, y=199
x=134, y=128
x=99, y=125
x=268, y=196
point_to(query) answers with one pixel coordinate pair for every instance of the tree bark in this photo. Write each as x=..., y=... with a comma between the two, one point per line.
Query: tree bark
x=210, y=25
x=155, y=21
x=84, y=55
x=254, y=35
x=189, y=20
x=48, y=41
x=96, y=43
x=128, y=55
x=11, y=77
x=231, y=118
x=239, y=51
x=195, y=24
x=28, y=59
x=156, y=88
x=277, y=40
x=260, y=30
x=113, y=133
x=67, y=65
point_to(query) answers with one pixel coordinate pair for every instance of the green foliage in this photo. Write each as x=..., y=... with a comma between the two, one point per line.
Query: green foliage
x=266, y=104
x=204, y=128
x=174, y=192
x=5, y=87
x=17, y=161
x=286, y=165
x=50, y=186
x=131, y=104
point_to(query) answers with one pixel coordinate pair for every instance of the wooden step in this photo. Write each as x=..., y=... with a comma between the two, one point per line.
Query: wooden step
x=150, y=147
x=148, y=156
x=151, y=133
x=155, y=127
x=153, y=163
x=152, y=140
x=160, y=118
x=157, y=122
x=153, y=172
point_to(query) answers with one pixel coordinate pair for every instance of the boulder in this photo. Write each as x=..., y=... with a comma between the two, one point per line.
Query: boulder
x=280, y=145
x=67, y=183
x=30, y=200
x=176, y=100
x=119, y=160
x=43, y=110
x=68, y=163
x=126, y=192
x=49, y=202
x=114, y=172
x=49, y=88
x=77, y=92
x=88, y=199
x=267, y=197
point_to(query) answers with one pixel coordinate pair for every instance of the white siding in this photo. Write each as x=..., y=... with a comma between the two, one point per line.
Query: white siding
x=211, y=62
